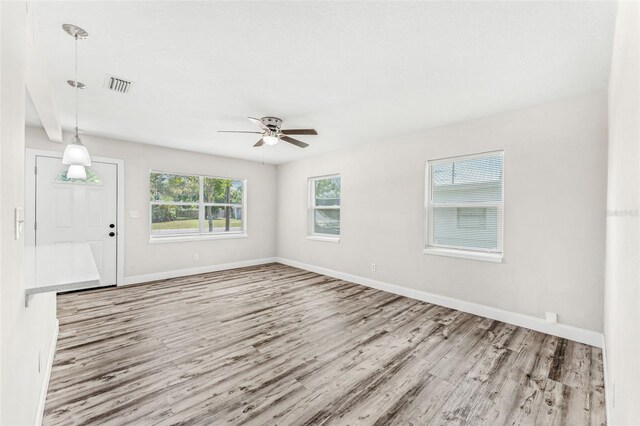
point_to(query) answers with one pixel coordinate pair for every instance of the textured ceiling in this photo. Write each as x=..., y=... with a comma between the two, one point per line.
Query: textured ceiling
x=358, y=72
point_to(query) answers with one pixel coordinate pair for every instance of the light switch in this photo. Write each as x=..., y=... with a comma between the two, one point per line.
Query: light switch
x=19, y=221
x=134, y=214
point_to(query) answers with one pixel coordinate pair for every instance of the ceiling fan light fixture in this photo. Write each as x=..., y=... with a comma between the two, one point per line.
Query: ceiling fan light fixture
x=272, y=133
x=270, y=140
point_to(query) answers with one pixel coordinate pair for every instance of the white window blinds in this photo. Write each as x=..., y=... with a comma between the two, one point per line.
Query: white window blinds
x=465, y=203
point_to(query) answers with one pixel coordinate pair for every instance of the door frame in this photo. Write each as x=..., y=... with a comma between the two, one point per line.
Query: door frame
x=30, y=201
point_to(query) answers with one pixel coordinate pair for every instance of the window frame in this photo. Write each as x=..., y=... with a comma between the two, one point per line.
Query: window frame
x=430, y=248
x=200, y=204
x=311, y=209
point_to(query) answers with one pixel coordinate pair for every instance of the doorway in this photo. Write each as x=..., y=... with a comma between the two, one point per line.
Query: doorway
x=64, y=210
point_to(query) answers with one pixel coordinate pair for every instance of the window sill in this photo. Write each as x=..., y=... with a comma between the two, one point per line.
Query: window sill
x=464, y=254
x=192, y=238
x=323, y=238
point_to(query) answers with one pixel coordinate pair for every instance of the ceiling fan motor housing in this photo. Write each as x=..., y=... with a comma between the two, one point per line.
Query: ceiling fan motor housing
x=273, y=123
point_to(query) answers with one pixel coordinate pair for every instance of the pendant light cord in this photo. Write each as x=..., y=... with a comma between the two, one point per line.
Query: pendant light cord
x=76, y=37
x=76, y=154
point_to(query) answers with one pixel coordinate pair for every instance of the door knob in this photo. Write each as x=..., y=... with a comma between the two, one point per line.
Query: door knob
x=112, y=225
x=112, y=234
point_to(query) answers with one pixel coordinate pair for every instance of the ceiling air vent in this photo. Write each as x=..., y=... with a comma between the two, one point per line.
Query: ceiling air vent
x=117, y=84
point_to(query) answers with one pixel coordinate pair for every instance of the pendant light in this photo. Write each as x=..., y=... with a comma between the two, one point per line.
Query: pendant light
x=76, y=171
x=76, y=153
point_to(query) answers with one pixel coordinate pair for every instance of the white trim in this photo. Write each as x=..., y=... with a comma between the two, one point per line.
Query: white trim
x=165, y=172
x=47, y=375
x=30, y=206
x=325, y=238
x=465, y=254
x=608, y=392
x=120, y=222
x=465, y=156
x=576, y=334
x=181, y=238
x=135, y=279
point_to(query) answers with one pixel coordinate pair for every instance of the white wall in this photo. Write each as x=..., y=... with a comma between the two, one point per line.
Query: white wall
x=26, y=333
x=622, y=285
x=142, y=260
x=555, y=199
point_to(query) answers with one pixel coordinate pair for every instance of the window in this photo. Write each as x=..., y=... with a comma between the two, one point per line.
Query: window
x=92, y=177
x=324, y=208
x=464, y=206
x=196, y=206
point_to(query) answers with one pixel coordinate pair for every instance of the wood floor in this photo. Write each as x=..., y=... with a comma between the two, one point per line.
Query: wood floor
x=272, y=344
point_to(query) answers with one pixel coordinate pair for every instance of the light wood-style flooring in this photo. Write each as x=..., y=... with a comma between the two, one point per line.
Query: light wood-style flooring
x=276, y=345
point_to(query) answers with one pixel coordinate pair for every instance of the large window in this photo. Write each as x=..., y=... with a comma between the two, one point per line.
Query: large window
x=196, y=206
x=464, y=206
x=324, y=207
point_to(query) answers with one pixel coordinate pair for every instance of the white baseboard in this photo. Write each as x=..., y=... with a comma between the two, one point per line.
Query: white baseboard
x=135, y=279
x=608, y=392
x=47, y=375
x=576, y=334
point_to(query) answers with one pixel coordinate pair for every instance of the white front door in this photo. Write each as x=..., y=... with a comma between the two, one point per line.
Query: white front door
x=74, y=211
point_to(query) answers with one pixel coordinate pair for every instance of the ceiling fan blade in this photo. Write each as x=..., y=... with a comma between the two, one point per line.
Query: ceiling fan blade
x=238, y=131
x=260, y=142
x=296, y=142
x=299, y=132
x=259, y=123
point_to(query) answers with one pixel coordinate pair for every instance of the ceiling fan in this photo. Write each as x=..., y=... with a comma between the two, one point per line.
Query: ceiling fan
x=272, y=133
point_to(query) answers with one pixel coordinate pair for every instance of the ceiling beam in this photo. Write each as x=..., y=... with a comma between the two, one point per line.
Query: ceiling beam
x=38, y=84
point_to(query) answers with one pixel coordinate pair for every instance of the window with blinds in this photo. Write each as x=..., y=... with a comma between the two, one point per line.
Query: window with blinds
x=324, y=206
x=465, y=203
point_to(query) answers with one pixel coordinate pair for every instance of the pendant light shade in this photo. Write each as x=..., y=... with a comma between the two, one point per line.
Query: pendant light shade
x=76, y=153
x=76, y=171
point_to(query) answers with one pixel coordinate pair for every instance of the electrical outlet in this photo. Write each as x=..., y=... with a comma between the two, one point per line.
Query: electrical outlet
x=552, y=318
x=196, y=256
x=134, y=214
x=373, y=267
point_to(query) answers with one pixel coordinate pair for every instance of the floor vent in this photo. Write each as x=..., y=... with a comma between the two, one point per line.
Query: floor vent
x=117, y=84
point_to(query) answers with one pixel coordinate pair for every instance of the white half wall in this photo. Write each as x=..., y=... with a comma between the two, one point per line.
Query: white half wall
x=622, y=285
x=555, y=168
x=27, y=334
x=143, y=259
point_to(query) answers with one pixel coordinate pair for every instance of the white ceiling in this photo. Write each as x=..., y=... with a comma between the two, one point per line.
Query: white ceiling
x=358, y=72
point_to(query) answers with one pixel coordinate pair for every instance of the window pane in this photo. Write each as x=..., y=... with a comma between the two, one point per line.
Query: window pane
x=472, y=218
x=169, y=219
x=176, y=188
x=223, y=219
x=327, y=191
x=226, y=191
x=473, y=180
x=92, y=177
x=326, y=221
x=469, y=227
